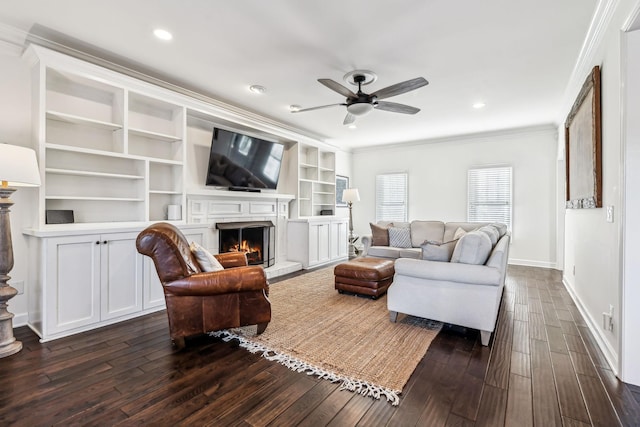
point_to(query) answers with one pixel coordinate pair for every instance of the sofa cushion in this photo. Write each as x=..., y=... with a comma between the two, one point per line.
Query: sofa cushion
x=472, y=248
x=414, y=253
x=400, y=237
x=379, y=235
x=422, y=231
x=436, y=251
x=384, y=252
x=492, y=232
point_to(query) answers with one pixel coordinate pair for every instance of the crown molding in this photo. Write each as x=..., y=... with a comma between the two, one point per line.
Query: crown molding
x=597, y=30
x=12, y=40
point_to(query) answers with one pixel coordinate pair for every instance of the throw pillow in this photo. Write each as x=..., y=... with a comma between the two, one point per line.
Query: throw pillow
x=436, y=251
x=379, y=235
x=207, y=261
x=400, y=237
x=502, y=228
x=459, y=233
x=492, y=232
x=472, y=248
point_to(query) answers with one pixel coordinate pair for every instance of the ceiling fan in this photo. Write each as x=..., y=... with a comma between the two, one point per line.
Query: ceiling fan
x=360, y=103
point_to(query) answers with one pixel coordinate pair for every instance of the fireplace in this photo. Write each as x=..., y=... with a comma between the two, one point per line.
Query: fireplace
x=255, y=238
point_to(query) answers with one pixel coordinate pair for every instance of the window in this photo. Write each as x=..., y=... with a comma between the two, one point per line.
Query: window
x=489, y=195
x=391, y=197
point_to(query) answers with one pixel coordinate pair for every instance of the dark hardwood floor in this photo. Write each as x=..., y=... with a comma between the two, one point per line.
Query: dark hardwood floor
x=542, y=368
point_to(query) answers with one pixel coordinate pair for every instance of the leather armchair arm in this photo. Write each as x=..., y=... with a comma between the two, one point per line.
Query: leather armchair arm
x=243, y=279
x=232, y=259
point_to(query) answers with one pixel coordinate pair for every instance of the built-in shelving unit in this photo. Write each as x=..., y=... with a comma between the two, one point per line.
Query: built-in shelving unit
x=107, y=151
x=316, y=181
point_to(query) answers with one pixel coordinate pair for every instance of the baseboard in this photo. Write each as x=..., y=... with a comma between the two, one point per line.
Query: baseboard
x=20, y=319
x=531, y=263
x=609, y=353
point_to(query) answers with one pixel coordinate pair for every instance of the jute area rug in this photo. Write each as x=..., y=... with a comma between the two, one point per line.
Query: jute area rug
x=341, y=338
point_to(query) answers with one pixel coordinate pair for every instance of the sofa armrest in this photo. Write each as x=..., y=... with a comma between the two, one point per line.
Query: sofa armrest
x=232, y=280
x=366, y=243
x=449, y=271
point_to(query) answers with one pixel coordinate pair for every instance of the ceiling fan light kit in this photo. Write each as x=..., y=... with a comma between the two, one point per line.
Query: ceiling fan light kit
x=360, y=103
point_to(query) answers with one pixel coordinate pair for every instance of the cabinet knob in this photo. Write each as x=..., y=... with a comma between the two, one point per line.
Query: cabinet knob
x=97, y=242
x=105, y=242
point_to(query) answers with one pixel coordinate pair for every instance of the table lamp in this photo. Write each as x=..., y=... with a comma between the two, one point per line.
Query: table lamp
x=349, y=196
x=18, y=168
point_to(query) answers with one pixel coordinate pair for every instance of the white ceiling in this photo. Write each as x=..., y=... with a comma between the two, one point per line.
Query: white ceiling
x=516, y=56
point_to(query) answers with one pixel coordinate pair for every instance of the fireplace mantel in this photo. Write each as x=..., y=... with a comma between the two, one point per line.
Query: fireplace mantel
x=214, y=193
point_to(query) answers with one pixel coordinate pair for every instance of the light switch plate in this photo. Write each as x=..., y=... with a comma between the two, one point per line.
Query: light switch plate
x=609, y=213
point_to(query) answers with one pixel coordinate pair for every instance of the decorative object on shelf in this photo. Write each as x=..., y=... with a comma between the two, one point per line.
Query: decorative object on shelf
x=342, y=183
x=19, y=168
x=583, y=147
x=349, y=196
x=174, y=212
x=59, y=216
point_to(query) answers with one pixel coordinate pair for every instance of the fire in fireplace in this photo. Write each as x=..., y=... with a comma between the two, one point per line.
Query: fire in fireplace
x=255, y=238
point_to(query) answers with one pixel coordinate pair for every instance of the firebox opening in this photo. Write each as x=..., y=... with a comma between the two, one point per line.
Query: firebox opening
x=256, y=239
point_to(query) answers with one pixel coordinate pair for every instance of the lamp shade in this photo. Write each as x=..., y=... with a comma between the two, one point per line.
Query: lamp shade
x=18, y=166
x=350, y=195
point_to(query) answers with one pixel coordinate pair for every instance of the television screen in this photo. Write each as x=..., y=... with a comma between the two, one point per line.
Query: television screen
x=241, y=161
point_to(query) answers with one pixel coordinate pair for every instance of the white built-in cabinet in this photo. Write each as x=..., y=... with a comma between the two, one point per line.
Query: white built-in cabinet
x=92, y=280
x=317, y=241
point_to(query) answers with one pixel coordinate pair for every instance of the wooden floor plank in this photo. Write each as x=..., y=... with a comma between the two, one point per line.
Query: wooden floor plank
x=519, y=402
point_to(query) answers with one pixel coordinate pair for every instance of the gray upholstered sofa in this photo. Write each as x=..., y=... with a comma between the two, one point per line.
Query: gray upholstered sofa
x=460, y=281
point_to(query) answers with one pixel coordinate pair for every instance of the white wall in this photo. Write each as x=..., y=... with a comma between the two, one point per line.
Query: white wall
x=592, y=245
x=15, y=128
x=438, y=183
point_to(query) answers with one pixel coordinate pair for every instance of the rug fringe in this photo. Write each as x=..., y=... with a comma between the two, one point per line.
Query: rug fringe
x=356, y=386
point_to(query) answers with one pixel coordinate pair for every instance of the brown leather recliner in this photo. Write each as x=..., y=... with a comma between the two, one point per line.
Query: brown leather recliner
x=200, y=302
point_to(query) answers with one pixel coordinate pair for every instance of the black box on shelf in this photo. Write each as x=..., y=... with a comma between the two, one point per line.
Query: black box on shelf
x=59, y=216
x=326, y=212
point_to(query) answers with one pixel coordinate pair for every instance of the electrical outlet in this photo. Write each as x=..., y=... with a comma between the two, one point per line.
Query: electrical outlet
x=19, y=286
x=607, y=319
x=609, y=213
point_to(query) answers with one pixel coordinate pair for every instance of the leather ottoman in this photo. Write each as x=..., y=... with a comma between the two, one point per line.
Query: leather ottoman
x=364, y=276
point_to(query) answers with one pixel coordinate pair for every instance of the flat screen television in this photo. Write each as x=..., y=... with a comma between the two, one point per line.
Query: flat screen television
x=242, y=162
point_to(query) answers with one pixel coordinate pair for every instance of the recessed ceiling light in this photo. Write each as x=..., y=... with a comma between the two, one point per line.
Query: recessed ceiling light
x=162, y=34
x=257, y=89
x=479, y=105
x=294, y=107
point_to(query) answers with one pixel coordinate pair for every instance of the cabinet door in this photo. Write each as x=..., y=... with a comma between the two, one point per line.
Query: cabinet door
x=121, y=275
x=339, y=246
x=318, y=242
x=72, y=286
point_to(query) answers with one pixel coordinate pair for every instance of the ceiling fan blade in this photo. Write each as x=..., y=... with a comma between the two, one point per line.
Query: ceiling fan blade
x=348, y=119
x=400, y=88
x=394, y=107
x=337, y=87
x=316, y=108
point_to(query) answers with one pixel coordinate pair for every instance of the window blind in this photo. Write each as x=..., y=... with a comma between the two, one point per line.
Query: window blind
x=490, y=195
x=391, y=197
